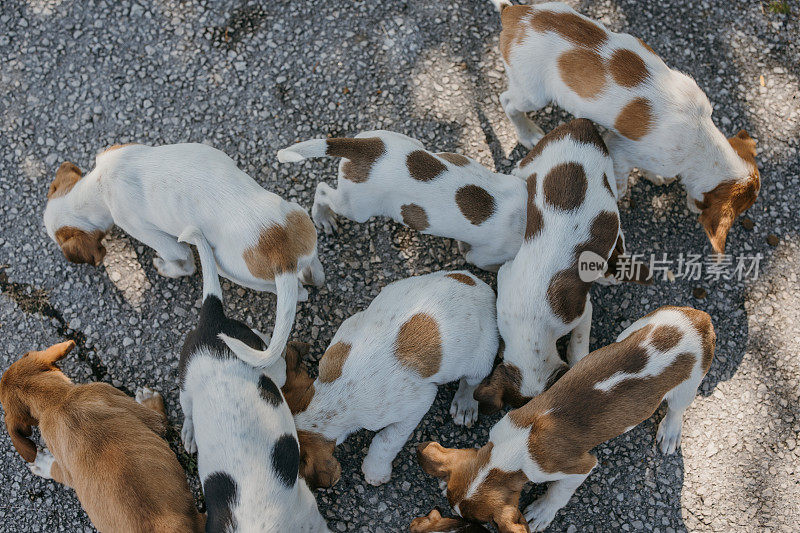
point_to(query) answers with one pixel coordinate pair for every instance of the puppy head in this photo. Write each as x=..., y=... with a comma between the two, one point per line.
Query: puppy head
x=67, y=175
x=27, y=376
x=436, y=523
x=720, y=206
x=81, y=246
x=495, y=499
x=318, y=466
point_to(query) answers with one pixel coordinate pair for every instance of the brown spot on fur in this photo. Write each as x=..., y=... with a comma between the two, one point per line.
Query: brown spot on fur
x=535, y=220
x=462, y=278
x=361, y=154
x=647, y=46
x=705, y=328
x=330, y=366
x=627, y=68
x=635, y=120
x=456, y=159
x=419, y=345
x=318, y=466
x=513, y=29
x=607, y=185
x=67, y=175
x=279, y=247
x=666, y=337
x=116, y=147
x=414, y=216
x=582, y=71
x=423, y=166
x=580, y=129
x=565, y=186
x=475, y=203
x=298, y=390
x=81, y=246
x=571, y=27
x=500, y=388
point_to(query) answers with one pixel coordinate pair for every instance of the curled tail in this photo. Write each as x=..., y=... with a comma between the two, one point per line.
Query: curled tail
x=354, y=149
x=286, y=284
x=304, y=150
x=208, y=263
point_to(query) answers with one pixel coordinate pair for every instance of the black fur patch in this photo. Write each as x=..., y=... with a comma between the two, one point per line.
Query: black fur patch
x=221, y=495
x=269, y=391
x=286, y=459
x=213, y=322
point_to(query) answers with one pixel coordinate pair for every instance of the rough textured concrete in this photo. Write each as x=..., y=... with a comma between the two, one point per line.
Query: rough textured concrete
x=250, y=78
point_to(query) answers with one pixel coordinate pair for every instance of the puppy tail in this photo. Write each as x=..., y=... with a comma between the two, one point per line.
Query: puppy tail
x=304, y=150
x=193, y=235
x=287, y=290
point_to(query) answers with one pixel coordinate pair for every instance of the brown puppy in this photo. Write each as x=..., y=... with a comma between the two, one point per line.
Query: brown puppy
x=105, y=445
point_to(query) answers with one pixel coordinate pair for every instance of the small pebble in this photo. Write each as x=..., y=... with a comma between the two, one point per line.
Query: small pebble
x=747, y=223
x=699, y=293
x=773, y=239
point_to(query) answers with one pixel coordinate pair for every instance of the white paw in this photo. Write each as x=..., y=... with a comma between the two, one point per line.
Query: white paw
x=187, y=436
x=174, y=269
x=464, y=409
x=668, y=436
x=533, y=135
x=376, y=474
x=43, y=463
x=576, y=351
x=540, y=513
x=145, y=393
x=324, y=219
x=655, y=179
x=302, y=293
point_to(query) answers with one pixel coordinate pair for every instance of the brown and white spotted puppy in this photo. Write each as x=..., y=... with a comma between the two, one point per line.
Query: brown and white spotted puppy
x=662, y=356
x=383, y=366
x=155, y=193
x=383, y=173
x=106, y=446
x=543, y=293
x=659, y=119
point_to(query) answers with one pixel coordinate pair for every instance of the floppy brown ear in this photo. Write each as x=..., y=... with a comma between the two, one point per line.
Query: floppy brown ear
x=299, y=387
x=318, y=466
x=717, y=220
x=80, y=246
x=435, y=522
x=435, y=459
x=56, y=352
x=509, y=519
x=502, y=386
x=19, y=430
x=489, y=395
x=640, y=273
x=749, y=141
x=67, y=176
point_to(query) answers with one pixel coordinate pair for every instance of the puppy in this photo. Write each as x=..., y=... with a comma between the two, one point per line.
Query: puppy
x=662, y=356
x=236, y=419
x=383, y=173
x=106, y=446
x=543, y=293
x=659, y=119
x=383, y=366
x=260, y=241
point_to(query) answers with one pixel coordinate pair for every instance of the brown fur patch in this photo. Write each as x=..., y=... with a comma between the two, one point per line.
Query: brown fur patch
x=475, y=203
x=462, y=278
x=666, y=337
x=607, y=185
x=81, y=246
x=702, y=323
x=582, y=71
x=67, y=175
x=500, y=388
x=456, y=159
x=434, y=522
x=330, y=366
x=580, y=129
x=318, y=466
x=423, y=166
x=571, y=27
x=534, y=221
x=513, y=29
x=414, y=216
x=635, y=120
x=419, y=345
x=627, y=68
x=565, y=186
x=279, y=247
x=298, y=390
x=360, y=153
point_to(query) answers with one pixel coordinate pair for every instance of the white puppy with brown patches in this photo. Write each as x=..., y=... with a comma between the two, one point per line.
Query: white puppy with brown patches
x=237, y=421
x=154, y=193
x=662, y=356
x=660, y=120
x=383, y=366
x=542, y=293
x=383, y=173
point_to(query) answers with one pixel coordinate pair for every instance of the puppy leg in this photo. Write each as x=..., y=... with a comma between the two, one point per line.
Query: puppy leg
x=324, y=211
x=622, y=167
x=187, y=431
x=43, y=464
x=655, y=179
x=464, y=408
x=388, y=442
x=541, y=512
x=678, y=399
x=314, y=273
x=174, y=258
x=528, y=132
x=578, y=346
x=483, y=258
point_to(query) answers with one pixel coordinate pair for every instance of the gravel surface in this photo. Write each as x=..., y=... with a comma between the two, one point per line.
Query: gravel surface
x=250, y=78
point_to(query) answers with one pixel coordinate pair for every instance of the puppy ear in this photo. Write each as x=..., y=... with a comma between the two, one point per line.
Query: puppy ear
x=638, y=273
x=80, y=246
x=56, y=352
x=717, y=220
x=435, y=522
x=67, y=176
x=299, y=387
x=489, y=395
x=19, y=430
x=510, y=520
x=502, y=386
x=435, y=459
x=318, y=466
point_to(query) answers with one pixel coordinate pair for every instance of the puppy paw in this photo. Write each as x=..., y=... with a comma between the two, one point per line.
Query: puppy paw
x=464, y=409
x=324, y=219
x=43, y=463
x=150, y=398
x=302, y=293
x=376, y=475
x=173, y=269
x=655, y=179
x=540, y=513
x=668, y=435
x=187, y=436
x=531, y=135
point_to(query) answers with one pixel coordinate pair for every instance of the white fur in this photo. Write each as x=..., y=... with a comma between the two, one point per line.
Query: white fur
x=390, y=186
x=525, y=319
x=683, y=140
x=155, y=193
x=377, y=393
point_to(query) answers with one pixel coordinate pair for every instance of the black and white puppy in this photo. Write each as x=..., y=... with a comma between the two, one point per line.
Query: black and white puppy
x=236, y=418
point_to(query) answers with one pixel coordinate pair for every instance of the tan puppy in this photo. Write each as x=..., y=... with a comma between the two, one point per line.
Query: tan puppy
x=105, y=445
